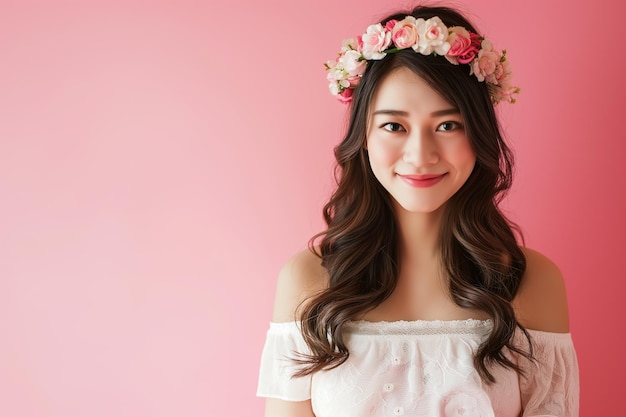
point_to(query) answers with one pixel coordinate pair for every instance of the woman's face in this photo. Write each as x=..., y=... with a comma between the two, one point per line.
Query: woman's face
x=416, y=142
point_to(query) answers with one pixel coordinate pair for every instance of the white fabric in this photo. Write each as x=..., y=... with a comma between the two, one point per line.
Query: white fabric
x=423, y=368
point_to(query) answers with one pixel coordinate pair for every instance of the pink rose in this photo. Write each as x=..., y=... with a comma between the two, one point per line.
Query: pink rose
x=404, y=33
x=375, y=40
x=497, y=74
x=390, y=24
x=504, y=75
x=486, y=62
x=463, y=45
x=354, y=81
x=345, y=96
x=502, y=89
x=432, y=37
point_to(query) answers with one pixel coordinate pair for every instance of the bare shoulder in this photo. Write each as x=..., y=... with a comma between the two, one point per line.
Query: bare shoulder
x=541, y=302
x=300, y=277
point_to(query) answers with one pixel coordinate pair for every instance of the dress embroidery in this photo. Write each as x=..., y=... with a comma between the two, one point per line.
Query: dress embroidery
x=422, y=368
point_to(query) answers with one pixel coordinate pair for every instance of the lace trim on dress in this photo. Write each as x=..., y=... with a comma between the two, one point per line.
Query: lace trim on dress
x=419, y=327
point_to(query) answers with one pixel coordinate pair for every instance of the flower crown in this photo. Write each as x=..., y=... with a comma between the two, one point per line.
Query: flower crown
x=427, y=37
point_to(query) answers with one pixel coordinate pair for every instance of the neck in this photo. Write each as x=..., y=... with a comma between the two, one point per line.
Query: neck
x=419, y=235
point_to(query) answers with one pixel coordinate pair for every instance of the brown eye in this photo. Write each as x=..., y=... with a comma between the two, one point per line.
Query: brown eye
x=393, y=127
x=448, y=126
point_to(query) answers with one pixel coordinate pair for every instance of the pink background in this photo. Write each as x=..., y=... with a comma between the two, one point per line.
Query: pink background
x=159, y=161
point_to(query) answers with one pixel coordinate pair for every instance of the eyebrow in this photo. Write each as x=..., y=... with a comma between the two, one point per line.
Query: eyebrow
x=437, y=113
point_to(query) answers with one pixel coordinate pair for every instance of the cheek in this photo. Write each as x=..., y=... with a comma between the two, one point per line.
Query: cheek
x=381, y=155
x=462, y=154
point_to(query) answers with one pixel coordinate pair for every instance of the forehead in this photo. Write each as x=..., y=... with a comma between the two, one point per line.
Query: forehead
x=402, y=89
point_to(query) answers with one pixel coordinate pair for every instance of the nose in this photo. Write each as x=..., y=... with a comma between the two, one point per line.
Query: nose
x=420, y=149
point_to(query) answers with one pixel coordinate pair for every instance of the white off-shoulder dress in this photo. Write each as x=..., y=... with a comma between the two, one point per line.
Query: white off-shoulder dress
x=423, y=369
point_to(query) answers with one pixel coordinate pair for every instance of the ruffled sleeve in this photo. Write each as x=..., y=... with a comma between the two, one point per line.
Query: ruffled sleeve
x=550, y=386
x=283, y=341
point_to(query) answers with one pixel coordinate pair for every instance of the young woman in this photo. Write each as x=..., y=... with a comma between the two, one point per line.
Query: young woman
x=418, y=300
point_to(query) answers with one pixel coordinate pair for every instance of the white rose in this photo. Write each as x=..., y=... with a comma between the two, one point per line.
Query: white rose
x=352, y=63
x=432, y=37
x=375, y=41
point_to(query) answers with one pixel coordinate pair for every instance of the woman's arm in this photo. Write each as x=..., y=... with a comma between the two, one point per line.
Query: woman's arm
x=280, y=408
x=299, y=278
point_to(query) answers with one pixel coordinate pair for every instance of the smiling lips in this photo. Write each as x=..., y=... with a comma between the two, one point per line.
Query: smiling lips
x=422, y=181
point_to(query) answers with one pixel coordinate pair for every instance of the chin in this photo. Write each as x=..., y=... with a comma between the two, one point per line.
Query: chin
x=419, y=208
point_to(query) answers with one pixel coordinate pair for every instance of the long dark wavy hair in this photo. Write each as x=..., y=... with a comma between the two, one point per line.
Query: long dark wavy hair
x=360, y=248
